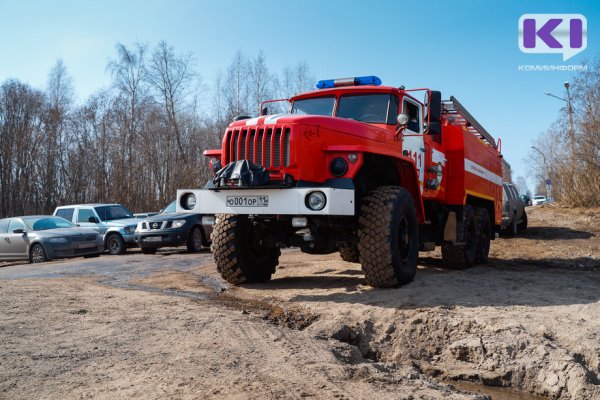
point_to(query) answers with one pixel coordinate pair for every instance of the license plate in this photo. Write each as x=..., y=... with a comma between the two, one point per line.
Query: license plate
x=247, y=201
x=87, y=245
x=153, y=239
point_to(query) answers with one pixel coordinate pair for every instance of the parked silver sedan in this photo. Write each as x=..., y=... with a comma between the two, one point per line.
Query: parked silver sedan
x=41, y=238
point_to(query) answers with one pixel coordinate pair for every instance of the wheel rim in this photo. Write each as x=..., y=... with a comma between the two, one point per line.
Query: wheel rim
x=113, y=245
x=404, y=238
x=197, y=238
x=37, y=254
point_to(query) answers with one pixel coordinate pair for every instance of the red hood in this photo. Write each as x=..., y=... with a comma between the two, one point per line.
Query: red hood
x=347, y=126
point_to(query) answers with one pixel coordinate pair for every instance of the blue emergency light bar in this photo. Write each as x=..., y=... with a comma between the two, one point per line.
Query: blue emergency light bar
x=357, y=81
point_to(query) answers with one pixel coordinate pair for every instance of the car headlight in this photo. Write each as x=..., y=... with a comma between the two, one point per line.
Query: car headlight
x=130, y=229
x=58, y=240
x=316, y=201
x=178, y=223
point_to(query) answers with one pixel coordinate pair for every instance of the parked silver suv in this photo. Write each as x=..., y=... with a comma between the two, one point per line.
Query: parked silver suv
x=514, y=217
x=113, y=221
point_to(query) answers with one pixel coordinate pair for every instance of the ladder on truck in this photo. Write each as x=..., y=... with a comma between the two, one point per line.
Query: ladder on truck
x=458, y=114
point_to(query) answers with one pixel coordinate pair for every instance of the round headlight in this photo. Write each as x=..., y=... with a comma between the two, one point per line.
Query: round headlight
x=338, y=167
x=190, y=201
x=403, y=119
x=316, y=201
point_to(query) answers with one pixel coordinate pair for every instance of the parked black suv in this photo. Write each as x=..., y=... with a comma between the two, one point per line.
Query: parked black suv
x=172, y=229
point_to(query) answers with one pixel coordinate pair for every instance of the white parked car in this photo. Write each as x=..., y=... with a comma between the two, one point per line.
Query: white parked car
x=537, y=200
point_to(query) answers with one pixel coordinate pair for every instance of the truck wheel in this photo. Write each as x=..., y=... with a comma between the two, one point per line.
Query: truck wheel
x=523, y=224
x=239, y=251
x=484, y=235
x=388, y=237
x=349, y=253
x=115, y=244
x=513, y=228
x=462, y=256
x=195, y=240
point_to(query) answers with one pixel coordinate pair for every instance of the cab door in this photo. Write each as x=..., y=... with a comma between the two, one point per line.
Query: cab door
x=14, y=245
x=83, y=219
x=413, y=145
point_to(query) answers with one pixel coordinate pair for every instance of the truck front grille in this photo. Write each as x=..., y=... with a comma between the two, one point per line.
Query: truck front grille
x=268, y=147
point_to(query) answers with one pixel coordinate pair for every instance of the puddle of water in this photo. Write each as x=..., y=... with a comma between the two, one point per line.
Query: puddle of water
x=496, y=393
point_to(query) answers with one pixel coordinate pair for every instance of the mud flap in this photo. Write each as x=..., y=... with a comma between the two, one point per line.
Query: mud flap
x=450, y=228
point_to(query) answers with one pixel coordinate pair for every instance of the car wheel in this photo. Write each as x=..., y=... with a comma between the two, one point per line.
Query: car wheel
x=523, y=224
x=37, y=254
x=195, y=240
x=115, y=244
x=513, y=228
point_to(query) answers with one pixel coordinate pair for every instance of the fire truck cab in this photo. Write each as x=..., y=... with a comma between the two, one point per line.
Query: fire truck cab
x=375, y=172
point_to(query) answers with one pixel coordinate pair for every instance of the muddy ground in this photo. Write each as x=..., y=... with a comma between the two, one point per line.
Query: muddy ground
x=166, y=326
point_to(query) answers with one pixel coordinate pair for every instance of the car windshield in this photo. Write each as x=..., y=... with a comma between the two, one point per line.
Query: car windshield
x=110, y=213
x=44, y=223
x=314, y=106
x=375, y=108
x=171, y=208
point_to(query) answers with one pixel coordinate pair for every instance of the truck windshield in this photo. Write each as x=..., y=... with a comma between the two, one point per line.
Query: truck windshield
x=374, y=108
x=109, y=213
x=314, y=106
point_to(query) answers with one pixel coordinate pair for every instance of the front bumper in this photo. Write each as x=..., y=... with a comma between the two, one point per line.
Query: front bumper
x=129, y=238
x=287, y=201
x=72, y=249
x=158, y=238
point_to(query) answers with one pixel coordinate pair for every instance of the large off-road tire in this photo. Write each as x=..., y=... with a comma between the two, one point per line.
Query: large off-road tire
x=239, y=251
x=349, y=253
x=37, y=254
x=388, y=237
x=461, y=256
x=484, y=235
x=523, y=225
x=195, y=240
x=115, y=244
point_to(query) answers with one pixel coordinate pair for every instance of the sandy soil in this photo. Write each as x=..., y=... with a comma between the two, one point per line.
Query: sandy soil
x=523, y=327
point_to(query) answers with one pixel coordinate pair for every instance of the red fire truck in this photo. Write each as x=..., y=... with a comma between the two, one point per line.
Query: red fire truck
x=375, y=172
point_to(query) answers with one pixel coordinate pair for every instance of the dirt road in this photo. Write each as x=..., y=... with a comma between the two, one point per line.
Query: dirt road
x=167, y=326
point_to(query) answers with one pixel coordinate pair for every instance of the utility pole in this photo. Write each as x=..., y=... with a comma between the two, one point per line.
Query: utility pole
x=547, y=177
x=571, y=129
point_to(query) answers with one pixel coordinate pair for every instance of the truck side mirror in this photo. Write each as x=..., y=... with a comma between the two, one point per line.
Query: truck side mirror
x=93, y=220
x=435, y=128
x=264, y=111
